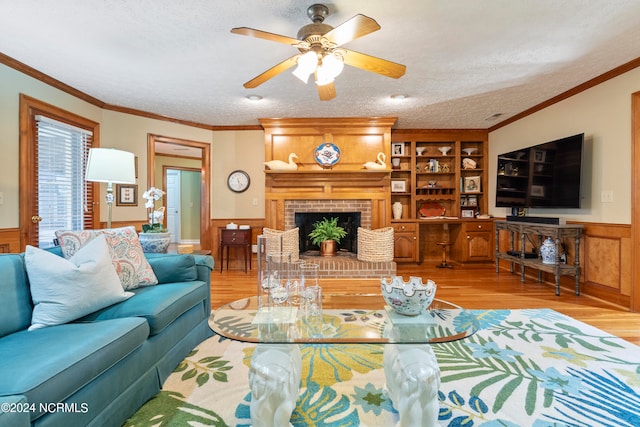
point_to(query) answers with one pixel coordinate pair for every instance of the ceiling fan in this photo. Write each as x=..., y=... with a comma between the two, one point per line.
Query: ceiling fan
x=321, y=53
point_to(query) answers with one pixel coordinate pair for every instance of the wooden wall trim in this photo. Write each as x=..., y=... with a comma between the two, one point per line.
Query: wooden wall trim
x=10, y=241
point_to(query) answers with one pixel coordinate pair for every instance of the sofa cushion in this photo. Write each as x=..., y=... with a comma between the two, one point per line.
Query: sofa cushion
x=15, y=298
x=51, y=364
x=174, y=268
x=128, y=258
x=160, y=304
x=64, y=290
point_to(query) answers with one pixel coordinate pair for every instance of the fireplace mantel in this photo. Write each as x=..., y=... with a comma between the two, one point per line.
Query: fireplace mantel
x=281, y=186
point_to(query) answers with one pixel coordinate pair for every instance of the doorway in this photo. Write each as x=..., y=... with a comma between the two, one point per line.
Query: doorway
x=182, y=204
x=190, y=149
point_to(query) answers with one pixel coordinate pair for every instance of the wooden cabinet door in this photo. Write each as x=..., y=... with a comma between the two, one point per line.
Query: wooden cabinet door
x=479, y=247
x=405, y=243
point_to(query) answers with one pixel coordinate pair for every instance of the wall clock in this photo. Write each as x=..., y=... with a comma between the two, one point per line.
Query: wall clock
x=238, y=181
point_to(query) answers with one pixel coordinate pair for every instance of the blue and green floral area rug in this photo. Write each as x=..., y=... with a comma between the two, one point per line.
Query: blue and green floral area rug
x=522, y=368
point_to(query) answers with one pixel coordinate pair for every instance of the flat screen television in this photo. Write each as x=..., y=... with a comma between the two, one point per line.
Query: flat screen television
x=542, y=176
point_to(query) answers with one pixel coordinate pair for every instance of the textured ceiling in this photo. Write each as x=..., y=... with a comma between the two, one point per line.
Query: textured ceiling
x=466, y=59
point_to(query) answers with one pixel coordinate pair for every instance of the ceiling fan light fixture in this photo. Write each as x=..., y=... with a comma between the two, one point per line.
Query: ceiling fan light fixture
x=307, y=64
x=332, y=64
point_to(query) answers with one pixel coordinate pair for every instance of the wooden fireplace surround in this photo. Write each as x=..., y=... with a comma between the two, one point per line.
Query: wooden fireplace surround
x=359, y=141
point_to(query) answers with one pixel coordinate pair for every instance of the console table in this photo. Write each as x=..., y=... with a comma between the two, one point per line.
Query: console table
x=555, y=232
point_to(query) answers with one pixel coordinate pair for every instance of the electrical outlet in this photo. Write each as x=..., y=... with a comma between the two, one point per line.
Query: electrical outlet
x=254, y=202
x=606, y=196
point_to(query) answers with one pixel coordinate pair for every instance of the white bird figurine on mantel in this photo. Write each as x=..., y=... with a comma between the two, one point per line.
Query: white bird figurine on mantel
x=380, y=163
x=279, y=165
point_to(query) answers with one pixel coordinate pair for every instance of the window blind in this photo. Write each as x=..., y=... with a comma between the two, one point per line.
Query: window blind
x=65, y=199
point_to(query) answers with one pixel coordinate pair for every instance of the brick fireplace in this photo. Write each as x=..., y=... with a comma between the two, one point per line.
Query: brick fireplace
x=345, y=187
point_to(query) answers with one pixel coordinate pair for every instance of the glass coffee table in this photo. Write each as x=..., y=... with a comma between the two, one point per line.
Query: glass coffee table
x=411, y=370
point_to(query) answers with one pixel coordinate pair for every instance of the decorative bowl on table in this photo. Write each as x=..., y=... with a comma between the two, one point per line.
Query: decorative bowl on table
x=408, y=298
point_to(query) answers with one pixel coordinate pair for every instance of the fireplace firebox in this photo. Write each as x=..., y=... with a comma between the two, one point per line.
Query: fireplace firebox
x=350, y=221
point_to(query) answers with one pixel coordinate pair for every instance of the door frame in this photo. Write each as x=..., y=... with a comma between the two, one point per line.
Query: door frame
x=205, y=178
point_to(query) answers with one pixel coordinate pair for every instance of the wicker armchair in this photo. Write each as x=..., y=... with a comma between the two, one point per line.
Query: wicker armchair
x=375, y=245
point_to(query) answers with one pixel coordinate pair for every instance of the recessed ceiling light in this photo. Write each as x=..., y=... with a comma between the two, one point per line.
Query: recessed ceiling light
x=254, y=97
x=399, y=97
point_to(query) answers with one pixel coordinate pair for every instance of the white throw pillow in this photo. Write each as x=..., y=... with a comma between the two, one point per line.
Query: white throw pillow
x=63, y=290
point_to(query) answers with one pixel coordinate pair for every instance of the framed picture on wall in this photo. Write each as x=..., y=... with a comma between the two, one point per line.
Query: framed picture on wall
x=126, y=195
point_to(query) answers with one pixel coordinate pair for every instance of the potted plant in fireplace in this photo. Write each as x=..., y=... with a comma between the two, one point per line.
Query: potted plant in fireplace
x=327, y=234
x=154, y=237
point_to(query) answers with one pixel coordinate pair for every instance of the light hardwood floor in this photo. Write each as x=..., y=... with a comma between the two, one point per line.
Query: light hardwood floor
x=473, y=287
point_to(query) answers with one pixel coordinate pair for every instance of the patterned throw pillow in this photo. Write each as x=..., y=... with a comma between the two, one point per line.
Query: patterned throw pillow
x=287, y=242
x=128, y=259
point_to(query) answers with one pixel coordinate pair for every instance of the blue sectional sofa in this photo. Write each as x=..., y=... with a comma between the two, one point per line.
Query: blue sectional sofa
x=101, y=368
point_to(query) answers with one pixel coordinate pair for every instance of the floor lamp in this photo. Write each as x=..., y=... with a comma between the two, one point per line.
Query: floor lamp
x=110, y=166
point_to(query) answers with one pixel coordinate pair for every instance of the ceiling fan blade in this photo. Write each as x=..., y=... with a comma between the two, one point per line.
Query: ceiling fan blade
x=245, y=31
x=272, y=72
x=352, y=29
x=373, y=64
x=327, y=92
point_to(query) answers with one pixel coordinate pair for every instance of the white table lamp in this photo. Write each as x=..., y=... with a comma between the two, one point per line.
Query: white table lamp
x=111, y=166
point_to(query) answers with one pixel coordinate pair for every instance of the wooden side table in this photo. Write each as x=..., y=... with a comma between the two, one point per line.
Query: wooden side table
x=235, y=238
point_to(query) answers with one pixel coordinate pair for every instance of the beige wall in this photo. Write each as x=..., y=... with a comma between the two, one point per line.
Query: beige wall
x=229, y=150
x=603, y=113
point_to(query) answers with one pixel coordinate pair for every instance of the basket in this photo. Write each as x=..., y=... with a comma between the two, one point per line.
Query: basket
x=375, y=245
x=286, y=241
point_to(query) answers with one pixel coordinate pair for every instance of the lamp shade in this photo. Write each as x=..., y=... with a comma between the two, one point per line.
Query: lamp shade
x=111, y=165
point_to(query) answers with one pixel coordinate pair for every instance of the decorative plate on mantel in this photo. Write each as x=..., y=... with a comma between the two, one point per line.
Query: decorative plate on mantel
x=327, y=154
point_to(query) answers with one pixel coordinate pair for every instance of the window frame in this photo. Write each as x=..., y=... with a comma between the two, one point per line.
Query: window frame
x=28, y=170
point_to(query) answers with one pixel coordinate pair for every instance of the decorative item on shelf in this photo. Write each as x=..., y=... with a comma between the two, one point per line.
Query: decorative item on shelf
x=444, y=150
x=154, y=237
x=327, y=154
x=420, y=150
x=444, y=168
x=396, y=208
x=548, y=251
x=468, y=163
x=432, y=183
x=433, y=165
x=379, y=163
x=432, y=210
x=327, y=234
x=472, y=184
x=279, y=165
x=469, y=151
x=395, y=162
x=397, y=149
x=410, y=298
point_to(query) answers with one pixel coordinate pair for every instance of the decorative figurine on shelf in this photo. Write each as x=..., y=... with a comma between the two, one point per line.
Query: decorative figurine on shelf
x=281, y=165
x=380, y=164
